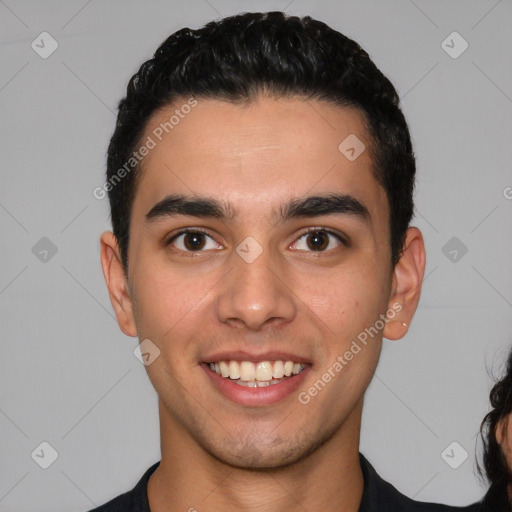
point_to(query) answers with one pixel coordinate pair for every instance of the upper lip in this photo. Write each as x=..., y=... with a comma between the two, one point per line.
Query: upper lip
x=240, y=355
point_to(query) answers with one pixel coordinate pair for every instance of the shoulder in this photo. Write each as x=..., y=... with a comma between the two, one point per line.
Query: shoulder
x=135, y=500
x=380, y=496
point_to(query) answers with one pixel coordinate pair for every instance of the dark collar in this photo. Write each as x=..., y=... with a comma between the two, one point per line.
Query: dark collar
x=378, y=496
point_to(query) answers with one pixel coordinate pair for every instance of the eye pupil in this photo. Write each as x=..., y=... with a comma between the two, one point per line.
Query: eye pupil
x=318, y=241
x=194, y=241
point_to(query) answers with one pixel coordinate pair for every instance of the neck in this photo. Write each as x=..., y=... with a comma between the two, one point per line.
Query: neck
x=189, y=478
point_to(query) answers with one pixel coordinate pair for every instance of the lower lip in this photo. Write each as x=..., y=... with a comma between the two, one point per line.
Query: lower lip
x=256, y=396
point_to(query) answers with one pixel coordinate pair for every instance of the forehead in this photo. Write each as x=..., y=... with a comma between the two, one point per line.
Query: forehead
x=257, y=155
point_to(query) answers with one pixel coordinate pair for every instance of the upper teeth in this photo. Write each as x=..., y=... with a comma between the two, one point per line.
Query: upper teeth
x=262, y=371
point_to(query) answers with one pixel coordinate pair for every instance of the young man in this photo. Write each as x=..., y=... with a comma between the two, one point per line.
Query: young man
x=260, y=178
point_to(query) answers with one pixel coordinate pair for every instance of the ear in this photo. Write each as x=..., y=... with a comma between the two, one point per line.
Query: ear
x=406, y=285
x=117, y=283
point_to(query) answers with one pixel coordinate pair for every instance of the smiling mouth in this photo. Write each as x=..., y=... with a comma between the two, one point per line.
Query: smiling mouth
x=256, y=375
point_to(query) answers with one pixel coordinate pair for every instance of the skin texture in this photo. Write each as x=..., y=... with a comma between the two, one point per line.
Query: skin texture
x=216, y=454
x=504, y=438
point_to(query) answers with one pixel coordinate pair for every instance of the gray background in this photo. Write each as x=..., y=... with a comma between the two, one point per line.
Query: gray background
x=68, y=374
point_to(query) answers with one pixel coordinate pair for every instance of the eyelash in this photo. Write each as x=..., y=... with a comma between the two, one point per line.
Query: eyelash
x=339, y=237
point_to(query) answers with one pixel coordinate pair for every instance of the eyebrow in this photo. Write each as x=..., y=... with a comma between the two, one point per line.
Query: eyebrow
x=311, y=206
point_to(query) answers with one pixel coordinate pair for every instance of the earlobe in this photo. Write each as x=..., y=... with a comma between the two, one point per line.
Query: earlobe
x=395, y=329
x=406, y=285
x=117, y=283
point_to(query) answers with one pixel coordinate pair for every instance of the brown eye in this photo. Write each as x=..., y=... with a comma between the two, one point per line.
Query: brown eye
x=318, y=240
x=193, y=241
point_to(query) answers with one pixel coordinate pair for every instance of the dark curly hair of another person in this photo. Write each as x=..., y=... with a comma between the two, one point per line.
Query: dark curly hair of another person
x=495, y=466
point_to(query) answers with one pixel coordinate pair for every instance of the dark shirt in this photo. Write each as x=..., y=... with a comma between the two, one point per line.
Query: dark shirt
x=496, y=499
x=378, y=496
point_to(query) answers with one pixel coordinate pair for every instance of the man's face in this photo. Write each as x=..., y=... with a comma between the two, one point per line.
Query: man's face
x=279, y=295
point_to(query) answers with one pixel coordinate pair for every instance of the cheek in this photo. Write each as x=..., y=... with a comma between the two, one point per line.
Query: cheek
x=166, y=301
x=347, y=300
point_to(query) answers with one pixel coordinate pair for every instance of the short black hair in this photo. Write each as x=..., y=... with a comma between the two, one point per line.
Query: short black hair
x=497, y=470
x=239, y=57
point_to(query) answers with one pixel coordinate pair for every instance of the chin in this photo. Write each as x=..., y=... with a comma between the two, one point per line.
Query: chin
x=253, y=458
x=264, y=453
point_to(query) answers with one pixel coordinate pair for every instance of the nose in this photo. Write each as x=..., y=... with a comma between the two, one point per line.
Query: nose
x=255, y=294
